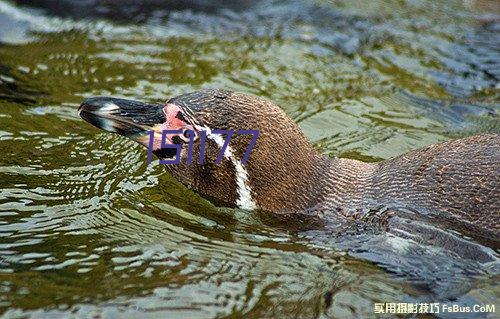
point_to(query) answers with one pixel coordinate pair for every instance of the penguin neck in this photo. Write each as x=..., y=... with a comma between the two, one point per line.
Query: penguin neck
x=312, y=182
x=292, y=183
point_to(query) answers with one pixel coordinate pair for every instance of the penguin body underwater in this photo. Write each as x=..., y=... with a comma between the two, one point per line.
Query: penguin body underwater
x=454, y=183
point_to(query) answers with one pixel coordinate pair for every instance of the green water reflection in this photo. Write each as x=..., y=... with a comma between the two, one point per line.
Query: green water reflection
x=88, y=228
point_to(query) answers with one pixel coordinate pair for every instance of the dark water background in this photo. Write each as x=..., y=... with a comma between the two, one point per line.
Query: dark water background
x=87, y=228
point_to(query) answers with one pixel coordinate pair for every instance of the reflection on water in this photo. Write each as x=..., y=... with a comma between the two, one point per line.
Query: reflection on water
x=87, y=228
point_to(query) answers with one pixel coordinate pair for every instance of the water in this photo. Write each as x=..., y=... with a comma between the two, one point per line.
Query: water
x=87, y=228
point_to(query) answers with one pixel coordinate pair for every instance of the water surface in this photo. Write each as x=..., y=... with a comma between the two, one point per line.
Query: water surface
x=87, y=228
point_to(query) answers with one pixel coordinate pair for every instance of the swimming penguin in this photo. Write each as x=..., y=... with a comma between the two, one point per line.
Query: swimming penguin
x=455, y=183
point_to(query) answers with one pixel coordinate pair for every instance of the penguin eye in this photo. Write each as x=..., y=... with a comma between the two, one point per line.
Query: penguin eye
x=186, y=135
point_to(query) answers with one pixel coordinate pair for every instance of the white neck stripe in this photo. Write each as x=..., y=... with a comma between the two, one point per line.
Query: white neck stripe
x=245, y=200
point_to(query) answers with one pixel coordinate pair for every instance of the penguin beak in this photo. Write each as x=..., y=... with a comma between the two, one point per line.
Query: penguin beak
x=129, y=118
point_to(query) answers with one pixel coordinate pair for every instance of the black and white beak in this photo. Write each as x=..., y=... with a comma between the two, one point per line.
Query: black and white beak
x=125, y=117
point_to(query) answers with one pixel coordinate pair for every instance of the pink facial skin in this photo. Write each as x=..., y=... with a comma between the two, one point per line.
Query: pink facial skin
x=172, y=123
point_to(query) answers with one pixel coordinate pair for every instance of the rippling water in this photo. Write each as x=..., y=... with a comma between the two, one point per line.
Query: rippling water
x=87, y=228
